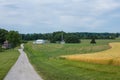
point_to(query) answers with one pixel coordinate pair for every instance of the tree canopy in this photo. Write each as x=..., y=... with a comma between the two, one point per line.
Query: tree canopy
x=3, y=34
x=93, y=41
x=14, y=38
x=72, y=39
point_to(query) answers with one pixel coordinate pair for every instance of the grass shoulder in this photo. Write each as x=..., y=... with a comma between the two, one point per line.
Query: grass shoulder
x=7, y=60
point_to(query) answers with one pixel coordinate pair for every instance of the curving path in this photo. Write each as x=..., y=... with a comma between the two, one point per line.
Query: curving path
x=22, y=70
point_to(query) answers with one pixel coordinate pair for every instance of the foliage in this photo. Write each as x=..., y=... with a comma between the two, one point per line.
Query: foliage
x=72, y=39
x=14, y=38
x=3, y=34
x=56, y=36
x=35, y=36
x=24, y=41
x=45, y=59
x=7, y=59
x=93, y=41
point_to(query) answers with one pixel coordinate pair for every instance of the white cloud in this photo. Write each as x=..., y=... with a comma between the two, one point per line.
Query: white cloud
x=88, y=22
x=102, y=6
x=52, y=13
x=86, y=13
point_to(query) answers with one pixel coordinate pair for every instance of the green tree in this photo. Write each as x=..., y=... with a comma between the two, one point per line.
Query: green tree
x=93, y=41
x=14, y=38
x=57, y=36
x=3, y=34
x=72, y=39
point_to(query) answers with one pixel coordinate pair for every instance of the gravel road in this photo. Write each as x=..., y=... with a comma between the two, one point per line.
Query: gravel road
x=22, y=70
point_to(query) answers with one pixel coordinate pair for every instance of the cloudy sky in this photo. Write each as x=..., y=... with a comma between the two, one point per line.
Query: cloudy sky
x=43, y=16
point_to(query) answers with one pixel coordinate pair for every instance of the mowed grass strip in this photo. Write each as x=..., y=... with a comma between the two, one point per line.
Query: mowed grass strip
x=46, y=61
x=7, y=59
x=111, y=56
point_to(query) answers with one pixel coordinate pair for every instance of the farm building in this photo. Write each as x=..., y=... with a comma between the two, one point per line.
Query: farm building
x=62, y=42
x=39, y=41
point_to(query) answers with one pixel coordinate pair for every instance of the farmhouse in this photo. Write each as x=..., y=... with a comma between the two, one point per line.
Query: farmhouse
x=39, y=41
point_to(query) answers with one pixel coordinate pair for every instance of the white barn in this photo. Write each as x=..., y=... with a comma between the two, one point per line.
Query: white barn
x=39, y=41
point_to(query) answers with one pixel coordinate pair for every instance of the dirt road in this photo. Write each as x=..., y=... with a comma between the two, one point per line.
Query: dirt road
x=22, y=70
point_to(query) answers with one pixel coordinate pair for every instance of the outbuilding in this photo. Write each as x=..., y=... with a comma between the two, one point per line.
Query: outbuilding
x=39, y=41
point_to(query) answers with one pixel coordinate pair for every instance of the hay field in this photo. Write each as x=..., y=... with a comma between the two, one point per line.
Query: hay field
x=110, y=56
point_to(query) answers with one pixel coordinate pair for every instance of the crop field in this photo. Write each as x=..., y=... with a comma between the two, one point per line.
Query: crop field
x=110, y=56
x=7, y=59
x=46, y=60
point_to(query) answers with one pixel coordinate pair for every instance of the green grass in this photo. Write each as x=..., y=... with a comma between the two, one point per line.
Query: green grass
x=45, y=59
x=7, y=59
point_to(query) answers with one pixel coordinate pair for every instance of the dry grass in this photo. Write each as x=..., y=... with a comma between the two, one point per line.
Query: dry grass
x=110, y=56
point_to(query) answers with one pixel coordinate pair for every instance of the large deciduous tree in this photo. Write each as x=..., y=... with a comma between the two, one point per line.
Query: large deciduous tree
x=14, y=38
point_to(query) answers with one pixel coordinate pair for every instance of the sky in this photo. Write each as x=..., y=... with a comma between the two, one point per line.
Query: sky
x=44, y=16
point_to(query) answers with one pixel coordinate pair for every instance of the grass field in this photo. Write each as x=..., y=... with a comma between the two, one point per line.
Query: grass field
x=45, y=59
x=7, y=59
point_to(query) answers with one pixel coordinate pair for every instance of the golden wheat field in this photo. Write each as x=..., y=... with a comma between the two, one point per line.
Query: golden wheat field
x=110, y=56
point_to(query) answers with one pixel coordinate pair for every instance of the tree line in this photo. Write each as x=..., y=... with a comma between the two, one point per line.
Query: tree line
x=14, y=38
x=69, y=37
